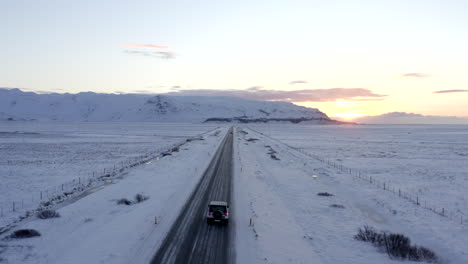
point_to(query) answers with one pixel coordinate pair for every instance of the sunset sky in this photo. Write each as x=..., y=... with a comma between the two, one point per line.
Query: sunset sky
x=347, y=58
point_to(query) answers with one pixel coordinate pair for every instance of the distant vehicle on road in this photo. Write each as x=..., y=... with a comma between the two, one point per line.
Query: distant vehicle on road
x=218, y=212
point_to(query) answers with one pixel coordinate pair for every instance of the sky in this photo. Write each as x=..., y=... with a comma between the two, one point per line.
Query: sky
x=347, y=58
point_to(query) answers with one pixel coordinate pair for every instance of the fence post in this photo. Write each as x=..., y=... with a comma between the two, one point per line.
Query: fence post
x=41, y=195
x=443, y=211
x=14, y=207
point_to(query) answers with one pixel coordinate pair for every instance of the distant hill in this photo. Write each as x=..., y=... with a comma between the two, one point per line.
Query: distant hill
x=410, y=118
x=16, y=105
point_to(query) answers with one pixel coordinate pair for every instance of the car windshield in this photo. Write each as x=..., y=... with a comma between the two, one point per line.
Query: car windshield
x=214, y=208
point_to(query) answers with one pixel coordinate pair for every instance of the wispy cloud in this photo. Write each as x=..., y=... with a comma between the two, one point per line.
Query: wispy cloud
x=150, y=46
x=149, y=50
x=297, y=82
x=143, y=91
x=254, y=88
x=451, y=91
x=156, y=54
x=310, y=95
x=416, y=75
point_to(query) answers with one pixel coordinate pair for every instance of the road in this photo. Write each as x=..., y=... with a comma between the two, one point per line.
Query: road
x=191, y=239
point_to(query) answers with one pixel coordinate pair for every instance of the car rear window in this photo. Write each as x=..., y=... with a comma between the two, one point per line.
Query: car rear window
x=214, y=208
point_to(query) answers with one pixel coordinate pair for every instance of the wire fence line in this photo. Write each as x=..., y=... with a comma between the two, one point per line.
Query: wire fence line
x=455, y=215
x=18, y=209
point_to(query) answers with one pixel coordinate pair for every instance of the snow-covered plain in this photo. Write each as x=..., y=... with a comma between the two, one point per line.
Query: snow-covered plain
x=40, y=157
x=294, y=225
x=430, y=161
x=277, y=215
x=95, y=229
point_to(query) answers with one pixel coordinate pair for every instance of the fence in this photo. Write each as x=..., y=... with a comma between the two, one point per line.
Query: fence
x=454, y=215
x=17, y=210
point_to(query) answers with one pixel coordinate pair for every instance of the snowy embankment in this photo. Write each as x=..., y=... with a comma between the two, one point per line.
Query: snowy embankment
x=96, y=229
x=277, y=187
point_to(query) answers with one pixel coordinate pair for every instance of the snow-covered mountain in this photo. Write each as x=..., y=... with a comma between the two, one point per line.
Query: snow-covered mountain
x=410, y=118
x=88, y=106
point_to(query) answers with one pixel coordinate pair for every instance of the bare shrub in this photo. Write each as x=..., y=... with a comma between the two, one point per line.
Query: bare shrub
x=273, y=156
x=46, y=214
x=396, y=245
x=124, y=201
x=324, y=194
x=139, y=197
x=367, y=234
x=46, y=203
x=337, y=206
x=427, y=254
x=24, y=233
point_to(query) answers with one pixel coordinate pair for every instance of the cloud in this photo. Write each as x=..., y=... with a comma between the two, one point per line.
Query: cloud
x=368, y=99
x=35, y=91
x=451, y=91
x=150, y=46
x=149, y=50
x=143, y=91
x=416, y=75
x=255, y=88
x=297, y=82
x=156, y=54
x=310, y=95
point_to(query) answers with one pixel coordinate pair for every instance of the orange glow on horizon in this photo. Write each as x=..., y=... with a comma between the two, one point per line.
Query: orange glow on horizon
x=348, y=116
x=347, y=110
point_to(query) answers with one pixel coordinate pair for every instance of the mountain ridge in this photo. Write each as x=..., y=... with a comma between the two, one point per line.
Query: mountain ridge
x=17, y=105
x=410, y=118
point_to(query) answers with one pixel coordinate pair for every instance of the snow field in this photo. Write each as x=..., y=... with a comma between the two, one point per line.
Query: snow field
x=288, y=213
x=40, y=159
x=428, y=163
x=95, y=229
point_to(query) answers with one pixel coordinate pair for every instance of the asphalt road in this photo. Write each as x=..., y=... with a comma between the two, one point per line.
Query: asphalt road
x=191, y=239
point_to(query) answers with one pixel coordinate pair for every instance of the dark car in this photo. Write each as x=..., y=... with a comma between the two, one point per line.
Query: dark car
x=218, y=212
